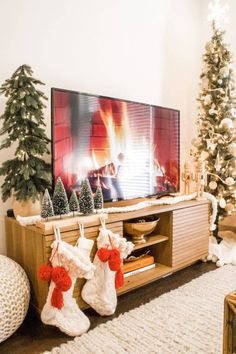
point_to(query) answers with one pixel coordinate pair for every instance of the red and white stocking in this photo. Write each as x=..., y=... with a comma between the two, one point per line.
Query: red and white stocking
x=100, y=291
x=65, y=314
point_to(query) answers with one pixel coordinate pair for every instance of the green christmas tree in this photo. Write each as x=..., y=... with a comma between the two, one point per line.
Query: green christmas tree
x=86, y=204
x=60, y=200
x=74, y=203
x=47, y=207
x=27, y=174
x=216, y=142
x=98, y=198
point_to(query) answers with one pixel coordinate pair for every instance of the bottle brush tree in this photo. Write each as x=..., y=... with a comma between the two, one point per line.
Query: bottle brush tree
x=98, y=198
x=60, y=200
x=73, y=203
x=47, y=207
x=86, y=204
x=216, y=141
x=27, y=174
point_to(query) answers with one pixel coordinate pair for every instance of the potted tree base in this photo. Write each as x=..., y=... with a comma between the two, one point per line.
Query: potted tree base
x=26, y=207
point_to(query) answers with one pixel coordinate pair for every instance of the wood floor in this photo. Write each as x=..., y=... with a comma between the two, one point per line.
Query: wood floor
x=33, y=337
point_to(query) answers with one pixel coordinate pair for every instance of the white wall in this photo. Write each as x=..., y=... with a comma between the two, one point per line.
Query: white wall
x=142, y=50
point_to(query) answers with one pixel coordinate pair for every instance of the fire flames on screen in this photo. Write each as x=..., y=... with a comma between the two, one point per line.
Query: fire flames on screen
x=129, y=149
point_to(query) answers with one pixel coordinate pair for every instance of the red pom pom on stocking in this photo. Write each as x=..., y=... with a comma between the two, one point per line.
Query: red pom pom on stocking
x=62, y=282
x=59, y=274
x=114, y=260
x=103, y=254
x=119, y=279
x=114, y=263
x=57, y=298
x=45, y=272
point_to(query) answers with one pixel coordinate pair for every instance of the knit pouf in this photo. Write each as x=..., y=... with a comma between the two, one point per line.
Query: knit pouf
x=14, y=296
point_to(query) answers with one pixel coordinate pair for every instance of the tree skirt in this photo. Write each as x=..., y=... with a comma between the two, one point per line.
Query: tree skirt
x=186, y=320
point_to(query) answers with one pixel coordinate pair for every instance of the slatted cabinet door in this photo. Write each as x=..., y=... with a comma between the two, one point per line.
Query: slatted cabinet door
x=189, y=235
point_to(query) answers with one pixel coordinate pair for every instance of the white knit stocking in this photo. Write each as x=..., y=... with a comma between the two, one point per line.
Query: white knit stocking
x=99, y=292
x=69, y=319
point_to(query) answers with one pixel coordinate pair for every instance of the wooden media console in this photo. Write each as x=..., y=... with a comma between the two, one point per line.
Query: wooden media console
x=181, y=238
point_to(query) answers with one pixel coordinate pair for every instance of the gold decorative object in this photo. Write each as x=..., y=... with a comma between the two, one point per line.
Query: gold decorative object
x=186, y=178
x=200, y=179
x=139, y=229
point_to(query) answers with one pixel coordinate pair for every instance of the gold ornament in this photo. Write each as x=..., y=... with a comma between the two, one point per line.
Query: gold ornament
x=217, y=163
x=204, y=155
x=229, y=181
x=207, y=99
x=213, y=185
x=212, y=111
x=210, y=144
x=227, y=123
x=224, y=71
x=196, y=142
x=233, y=112
x=229, y=207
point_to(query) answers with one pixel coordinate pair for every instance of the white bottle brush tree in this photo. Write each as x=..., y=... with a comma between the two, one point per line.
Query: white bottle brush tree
x=98, y=199
x=27, y=174
x=73, y=203
x=60, y=200
x=47, y=207
x=216, y=141
x=86, y=204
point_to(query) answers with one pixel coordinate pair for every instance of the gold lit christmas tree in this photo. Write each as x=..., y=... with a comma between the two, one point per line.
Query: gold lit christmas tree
x=216, y=141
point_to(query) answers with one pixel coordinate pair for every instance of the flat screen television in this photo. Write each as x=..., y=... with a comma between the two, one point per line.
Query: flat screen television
x=130, y=149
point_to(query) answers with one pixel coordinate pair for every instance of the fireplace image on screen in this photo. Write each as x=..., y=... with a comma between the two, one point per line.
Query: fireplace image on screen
x=130, y=149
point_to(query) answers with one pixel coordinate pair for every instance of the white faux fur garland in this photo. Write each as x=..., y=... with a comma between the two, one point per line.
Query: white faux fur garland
x=147, y=203
x=213, y=201
x=28, y=220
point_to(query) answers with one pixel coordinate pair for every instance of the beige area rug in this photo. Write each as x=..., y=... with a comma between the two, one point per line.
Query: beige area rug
x=186, y=320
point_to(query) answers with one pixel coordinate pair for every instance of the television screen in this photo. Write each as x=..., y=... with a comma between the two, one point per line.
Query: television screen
x=130, y=149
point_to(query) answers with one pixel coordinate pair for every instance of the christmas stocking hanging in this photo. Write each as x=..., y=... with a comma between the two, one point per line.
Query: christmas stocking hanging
x=62, y=310
x=100, y=291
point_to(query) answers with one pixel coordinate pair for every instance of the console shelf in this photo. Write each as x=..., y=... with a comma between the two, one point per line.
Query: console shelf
x=151, y=240
x=177, y=242
x=143, y=278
